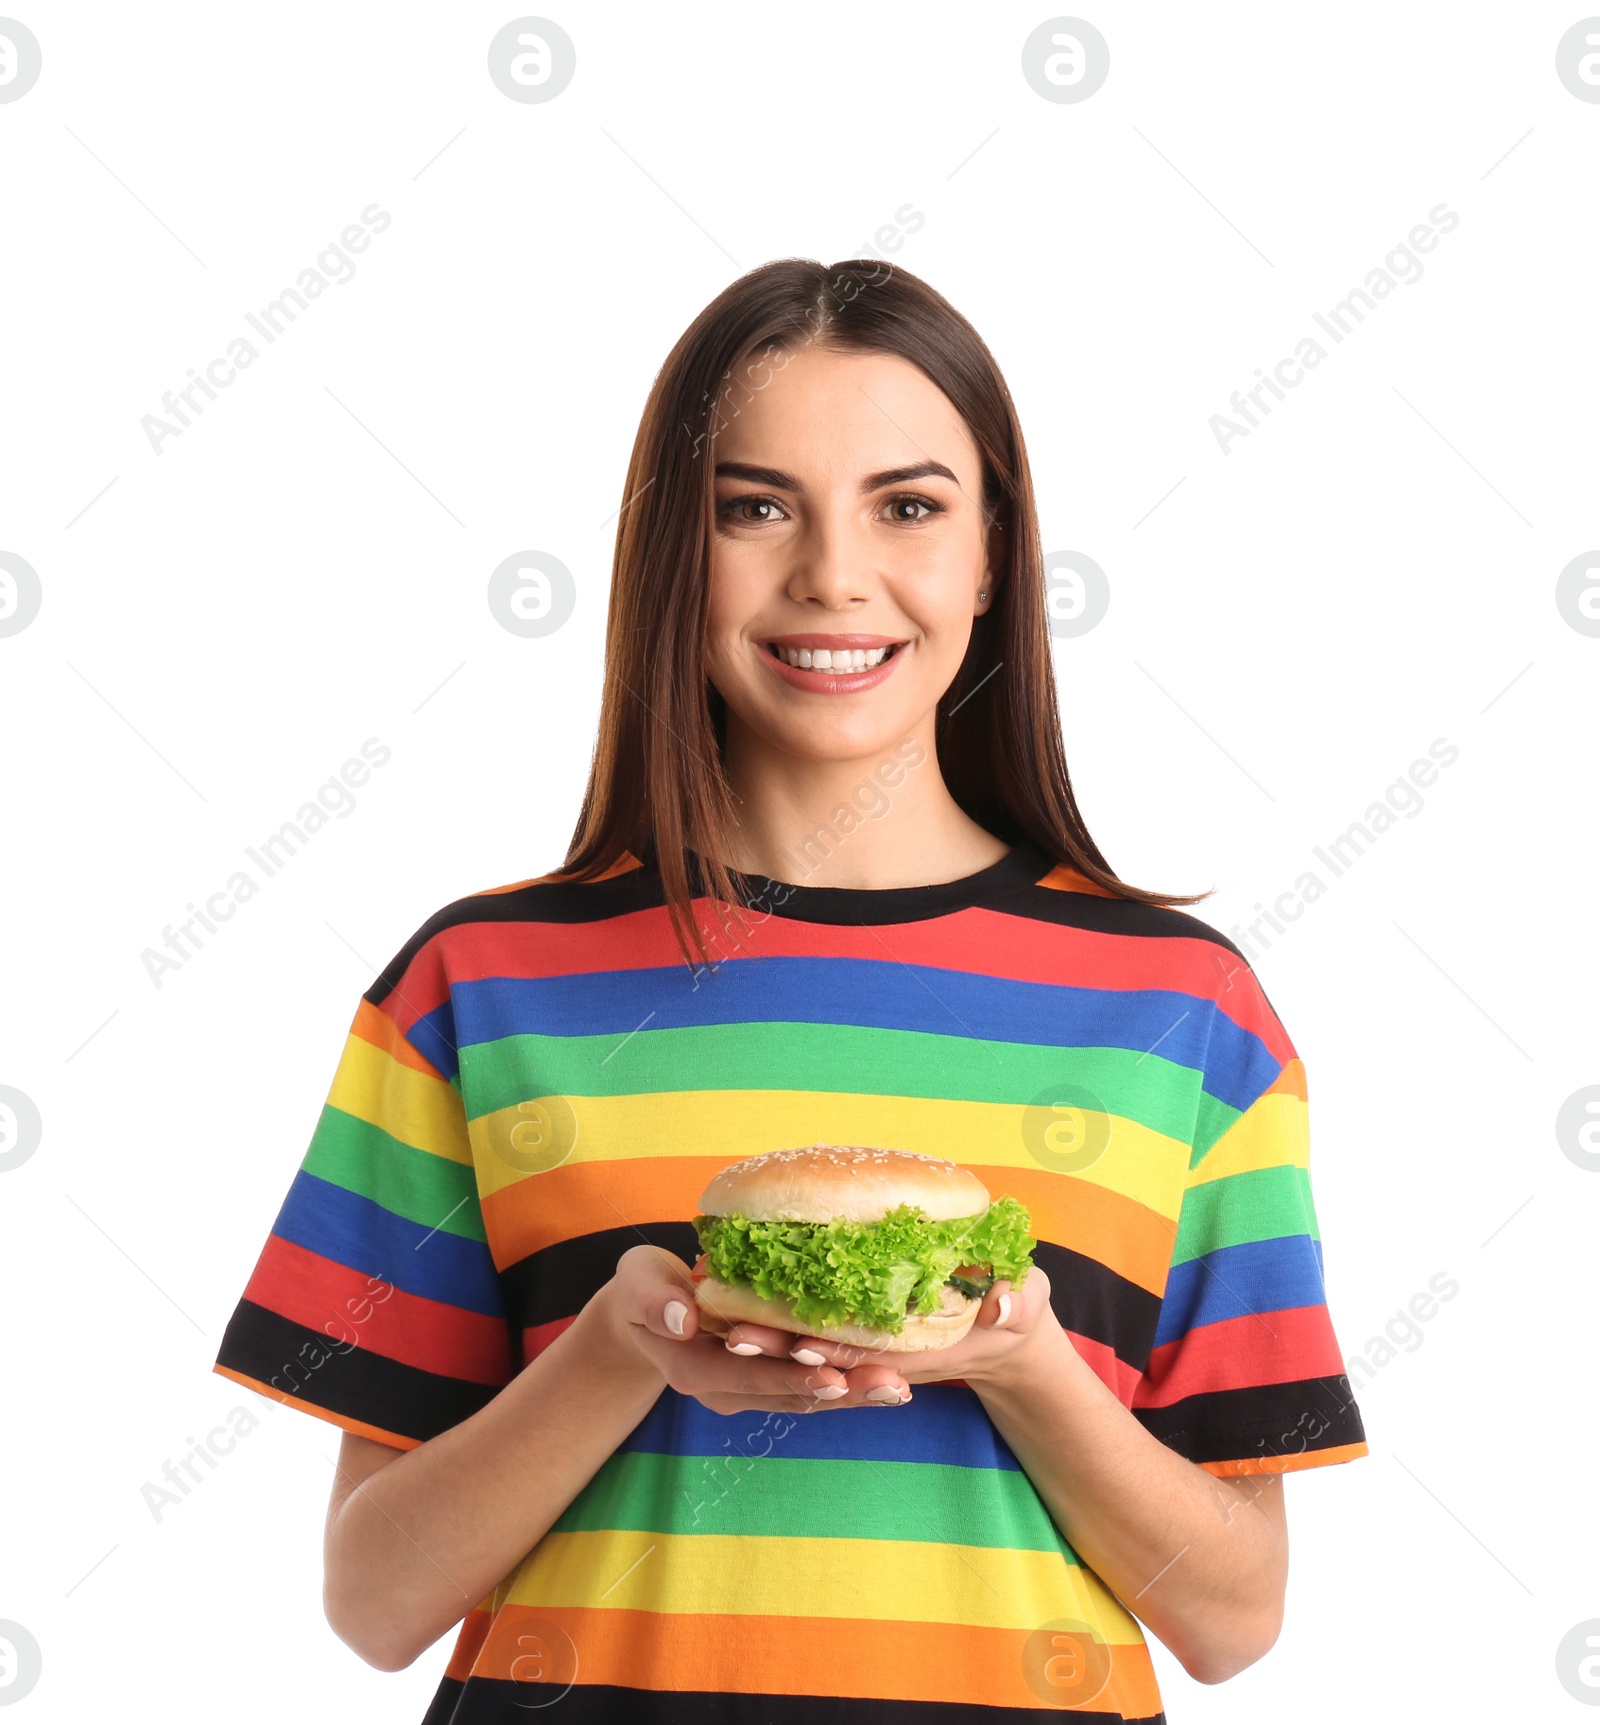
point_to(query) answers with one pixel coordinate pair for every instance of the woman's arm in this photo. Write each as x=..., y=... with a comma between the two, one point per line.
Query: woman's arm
x=1203, y=1561
x=415, y=1538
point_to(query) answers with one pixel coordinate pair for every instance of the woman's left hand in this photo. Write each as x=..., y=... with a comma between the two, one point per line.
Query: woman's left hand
x=1012, y=1323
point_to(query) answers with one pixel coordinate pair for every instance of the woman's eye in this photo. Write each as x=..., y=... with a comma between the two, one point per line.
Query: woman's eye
x=764, y=509
x=921, y=505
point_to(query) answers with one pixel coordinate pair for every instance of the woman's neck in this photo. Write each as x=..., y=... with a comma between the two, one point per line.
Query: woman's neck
x=884, y=820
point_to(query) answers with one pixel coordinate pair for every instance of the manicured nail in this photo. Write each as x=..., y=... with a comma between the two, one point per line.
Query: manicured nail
x=888, y=1396
x=807, y=1356
x=831, y=1392
x=742, y=1348
x=674, y=1315
x=1005, y=1308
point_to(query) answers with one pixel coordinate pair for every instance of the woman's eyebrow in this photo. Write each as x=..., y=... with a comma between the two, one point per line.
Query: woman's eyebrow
x=772, y=476
x=901, y=475
x=781, y=481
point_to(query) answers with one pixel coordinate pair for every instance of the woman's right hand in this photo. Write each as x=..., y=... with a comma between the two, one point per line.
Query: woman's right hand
x=650, y=1301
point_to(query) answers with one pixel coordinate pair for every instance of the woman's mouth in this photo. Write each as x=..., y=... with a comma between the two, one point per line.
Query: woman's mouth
x=842, y=661
x=832, y=664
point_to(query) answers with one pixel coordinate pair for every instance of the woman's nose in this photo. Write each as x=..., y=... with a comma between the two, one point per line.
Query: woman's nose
x=833, y=566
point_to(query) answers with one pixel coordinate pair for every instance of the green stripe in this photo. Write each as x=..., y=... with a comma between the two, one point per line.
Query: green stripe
x=353, y=1153
x=1258, y=1204
x=1156, y=1093
x=1212, y=1119
x=797, y=1497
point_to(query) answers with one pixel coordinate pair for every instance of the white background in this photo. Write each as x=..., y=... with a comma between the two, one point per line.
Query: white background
x=305, y=567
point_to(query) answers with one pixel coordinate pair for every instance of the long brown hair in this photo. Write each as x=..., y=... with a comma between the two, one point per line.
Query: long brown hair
x=657, y=789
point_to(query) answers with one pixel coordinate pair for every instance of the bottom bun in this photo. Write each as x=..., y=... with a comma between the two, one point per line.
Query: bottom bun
x=722, y=1305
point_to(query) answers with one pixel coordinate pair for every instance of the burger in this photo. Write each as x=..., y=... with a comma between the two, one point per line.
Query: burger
x=884, y=1249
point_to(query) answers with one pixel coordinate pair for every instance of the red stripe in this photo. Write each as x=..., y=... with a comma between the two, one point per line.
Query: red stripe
x=1242, y=1353
x=978, y=941
x=425, y=985
x=537, y=1337
x=339, y=1302
x=1117, y=1375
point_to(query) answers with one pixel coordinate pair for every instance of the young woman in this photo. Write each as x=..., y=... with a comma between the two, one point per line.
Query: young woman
x=829, y=883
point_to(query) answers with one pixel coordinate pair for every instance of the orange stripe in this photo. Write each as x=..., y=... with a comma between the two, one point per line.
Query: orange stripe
x=372, y=1024
x=1291, y=1081
x=623, y=864
x=475, y=1629
x=510, y=886
x=1114, y=1230
x=781, y=1656
x=1064, y=879
x=376, y=1433
x=590, y=1197
x=1285, y=1463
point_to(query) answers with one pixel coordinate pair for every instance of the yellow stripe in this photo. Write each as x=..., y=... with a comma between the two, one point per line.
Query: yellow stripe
x=1137, y=1163
x=879, y=1579
x=1271, y=1133
x=409, y=1105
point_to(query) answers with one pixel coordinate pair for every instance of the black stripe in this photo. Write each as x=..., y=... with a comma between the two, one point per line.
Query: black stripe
x=557, y=1281
x=499, y=1701
x=1113, y=916
x=1266, y=1421
x=303, y=1365
x=1100, y=1305
x=876, y=906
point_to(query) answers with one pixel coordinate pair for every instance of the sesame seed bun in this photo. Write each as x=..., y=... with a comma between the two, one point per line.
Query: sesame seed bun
x=843, y=1183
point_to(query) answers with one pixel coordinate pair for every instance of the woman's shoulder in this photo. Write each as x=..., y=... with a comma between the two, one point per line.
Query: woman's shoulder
x=1079, y=933
x=556, y=898
x=1061, y=895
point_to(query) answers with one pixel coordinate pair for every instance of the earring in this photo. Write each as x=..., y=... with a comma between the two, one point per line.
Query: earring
x=982, y=596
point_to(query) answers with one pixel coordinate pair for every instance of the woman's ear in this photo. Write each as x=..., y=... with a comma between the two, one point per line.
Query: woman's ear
x=994, y=564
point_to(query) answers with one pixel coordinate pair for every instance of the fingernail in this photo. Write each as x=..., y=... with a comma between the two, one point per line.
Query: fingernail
x=831, y=1392
x=742, y=1348
x=675, y=1314
x=1005, y=1308
x=888, y=1396
x=807, y=1356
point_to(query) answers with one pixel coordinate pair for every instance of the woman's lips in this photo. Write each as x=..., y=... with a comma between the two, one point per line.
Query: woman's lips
x=827, y=682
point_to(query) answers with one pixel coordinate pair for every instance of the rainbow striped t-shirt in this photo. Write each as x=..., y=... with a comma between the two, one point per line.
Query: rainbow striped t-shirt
x=538, y=1081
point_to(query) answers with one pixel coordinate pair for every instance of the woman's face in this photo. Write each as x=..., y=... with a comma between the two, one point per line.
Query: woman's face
x=848, y=522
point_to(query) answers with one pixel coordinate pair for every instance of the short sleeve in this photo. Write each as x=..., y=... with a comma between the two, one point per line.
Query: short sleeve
x=1245, y=1375
x=375, y=1303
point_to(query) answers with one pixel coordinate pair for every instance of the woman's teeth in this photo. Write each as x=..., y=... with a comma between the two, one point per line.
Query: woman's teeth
x=838, y=660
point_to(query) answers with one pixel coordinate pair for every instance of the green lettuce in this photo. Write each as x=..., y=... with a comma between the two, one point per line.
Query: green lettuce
x=873, y=1273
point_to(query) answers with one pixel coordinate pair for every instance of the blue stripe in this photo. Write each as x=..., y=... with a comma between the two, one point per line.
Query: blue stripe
x=944, y=1423
x=875, y=994
x=1178, y=1027
x=348, y=1229
x=434, y=1038
x=1236, y=1281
